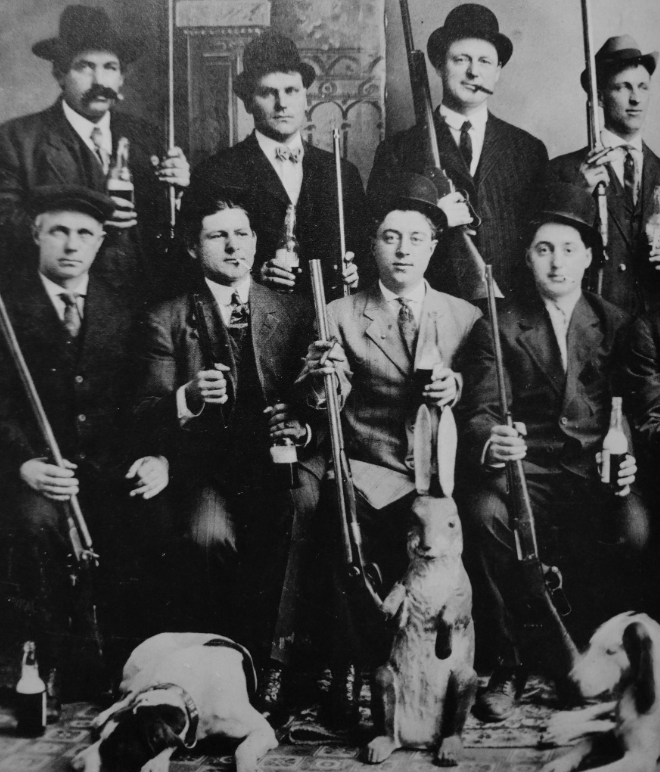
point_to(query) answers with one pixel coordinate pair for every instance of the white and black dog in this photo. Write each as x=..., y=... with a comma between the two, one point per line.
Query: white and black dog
x=178, y=688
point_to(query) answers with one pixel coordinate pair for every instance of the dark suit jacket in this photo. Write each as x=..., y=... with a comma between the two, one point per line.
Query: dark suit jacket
x=170, y=356
x=629, y=280
x=566, y=414
x=643, y=380
x=317, y=225
x=44, y=149
x=84, y=386
x=512, y=164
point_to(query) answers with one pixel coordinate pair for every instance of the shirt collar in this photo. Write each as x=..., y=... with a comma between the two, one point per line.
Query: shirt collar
x=609, y=139
x=223, y=294
x=85, y=127
x=268, y=145
x=415, y=295
x=455, y=120
x=54, y=290
x=566, y=306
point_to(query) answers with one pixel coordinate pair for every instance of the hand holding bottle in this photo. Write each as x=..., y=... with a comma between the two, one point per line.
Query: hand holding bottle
x=121, y=190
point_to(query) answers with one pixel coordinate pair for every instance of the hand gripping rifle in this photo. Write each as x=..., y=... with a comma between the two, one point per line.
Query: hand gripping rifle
x=84, y=559
x=543, y=583
x=473, y=285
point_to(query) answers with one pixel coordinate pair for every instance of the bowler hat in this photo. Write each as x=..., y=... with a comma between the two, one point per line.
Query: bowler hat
x=87, y=29
x=570, y=205
x=617, y=53
x=270, y=52
x=469, y=20
x=70, y=198
x=408, y=191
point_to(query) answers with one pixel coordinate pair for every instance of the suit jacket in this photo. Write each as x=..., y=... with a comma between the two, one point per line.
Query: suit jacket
x=629, y=279
x=378, y=392
x=566, y=413
x=511, y=166
x=84, y=385
x=317, y=225
x=170, y=355
x=44, y=149
x=643, y=381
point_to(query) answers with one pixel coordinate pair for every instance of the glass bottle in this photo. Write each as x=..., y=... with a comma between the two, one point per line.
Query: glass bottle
x=615, y=446
x=288, y=250
x=30, y=695
x=120, y=180
x=653, y=223
x=429, y=355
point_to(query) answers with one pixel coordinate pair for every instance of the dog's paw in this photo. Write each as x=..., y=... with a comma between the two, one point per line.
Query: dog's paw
x=88, y=760
x=160, y=763
x=379, y=749
x=450, y=752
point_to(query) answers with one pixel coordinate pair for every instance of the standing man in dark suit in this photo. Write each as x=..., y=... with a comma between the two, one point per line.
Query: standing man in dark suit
x=216, y=422
x=74, y=142
x=279, y=169
x=73, y=330
x=496, y=164
x=629, y=169
x=562, y=354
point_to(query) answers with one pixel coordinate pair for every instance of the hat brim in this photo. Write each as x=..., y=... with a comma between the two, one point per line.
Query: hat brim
x=244, y=82
x=650, y=61
x=380, y=209
x=126, y=50
x=440, y=40
x=70, y=198
x=589, y=233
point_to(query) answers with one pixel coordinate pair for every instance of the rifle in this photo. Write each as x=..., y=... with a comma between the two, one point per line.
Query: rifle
x=421, y=92
x=543, y=583
x=593, y=124
x=84, y=558
x=340, y=209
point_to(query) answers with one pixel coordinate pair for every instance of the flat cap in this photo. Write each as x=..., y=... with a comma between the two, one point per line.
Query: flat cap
x=71, y=198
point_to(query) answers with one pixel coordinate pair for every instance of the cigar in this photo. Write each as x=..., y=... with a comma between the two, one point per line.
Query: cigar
x=484, y=89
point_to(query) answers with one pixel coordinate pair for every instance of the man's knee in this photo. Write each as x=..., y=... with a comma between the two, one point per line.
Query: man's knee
x=37, y=516
x=635, y=523
x=484, y=511
x=212, y=527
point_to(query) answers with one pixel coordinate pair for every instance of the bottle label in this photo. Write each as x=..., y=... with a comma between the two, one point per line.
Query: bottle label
x=283, y=454
x=605, y=467
x=288, y=257
x=611, y=466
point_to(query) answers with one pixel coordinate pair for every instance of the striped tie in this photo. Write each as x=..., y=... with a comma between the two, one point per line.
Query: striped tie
x=72, y=320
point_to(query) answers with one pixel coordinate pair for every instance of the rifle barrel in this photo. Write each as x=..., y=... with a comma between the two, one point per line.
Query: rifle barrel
x=170, y=102
x=340, y=207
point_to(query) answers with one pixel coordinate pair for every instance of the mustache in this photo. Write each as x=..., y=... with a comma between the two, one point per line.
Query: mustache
x=97, y=91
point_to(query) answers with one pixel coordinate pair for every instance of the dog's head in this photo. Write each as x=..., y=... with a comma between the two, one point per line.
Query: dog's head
x=435, y=530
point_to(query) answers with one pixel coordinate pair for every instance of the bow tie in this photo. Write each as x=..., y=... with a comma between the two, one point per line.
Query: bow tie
x=284, y=153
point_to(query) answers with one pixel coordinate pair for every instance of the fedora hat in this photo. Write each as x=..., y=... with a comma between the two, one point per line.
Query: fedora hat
x=87, y=29
x=270, y=52
x=408, y=191
x=469, y=20
x=70, y=198
x=617, y=53
x=570, y=205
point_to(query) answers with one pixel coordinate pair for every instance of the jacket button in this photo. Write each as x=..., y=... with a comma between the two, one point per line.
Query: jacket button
x=564, y=420
x=622, y=267
x=82, y=417
x=82, y=455
x=78, y=379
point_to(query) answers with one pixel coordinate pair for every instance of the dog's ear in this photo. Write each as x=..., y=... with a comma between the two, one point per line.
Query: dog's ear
x=639, y=648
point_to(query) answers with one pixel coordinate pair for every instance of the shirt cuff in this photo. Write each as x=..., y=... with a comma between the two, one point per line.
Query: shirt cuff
x=184, y=414
x=484, y=454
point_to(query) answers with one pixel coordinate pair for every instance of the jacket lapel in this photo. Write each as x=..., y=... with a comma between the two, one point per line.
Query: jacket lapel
x=263, y=314
x=538, y=339
x=617, y=206
x=384, y=330
x=262, y=170
x=495, y=143
x=650, y=176
x=584, y=338
x=452, y=161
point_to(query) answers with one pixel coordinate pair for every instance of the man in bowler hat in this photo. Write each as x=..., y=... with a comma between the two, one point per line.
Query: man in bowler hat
x=628, y=168
x=74, y=142
x=280, y=169
x=496, y=164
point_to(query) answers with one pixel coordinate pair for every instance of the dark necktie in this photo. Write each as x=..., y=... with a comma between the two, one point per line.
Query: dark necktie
x=101, y=154
x=72, y=320
x=465, y=143
x=240, y=316
x=629, y=181
x=407, y=326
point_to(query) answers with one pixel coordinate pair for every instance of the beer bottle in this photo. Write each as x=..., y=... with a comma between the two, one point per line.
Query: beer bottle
x=288, y=251
x=429, y=355
x=653, y=223
x=615, y=446
x=120, y=180
x=30, y=695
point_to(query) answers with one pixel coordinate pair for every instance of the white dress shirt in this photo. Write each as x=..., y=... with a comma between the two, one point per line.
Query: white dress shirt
x=290, y=173
x=617, y=159
x=415, y=296
x=560, y=316
x=477, y=133
x=54, y=291
x=84, y=129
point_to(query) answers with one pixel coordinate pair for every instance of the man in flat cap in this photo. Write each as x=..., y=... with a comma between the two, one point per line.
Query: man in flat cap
x=73, y=329
x=495, y=163
x=75, y=140
x=280, y=169
x=629, y=169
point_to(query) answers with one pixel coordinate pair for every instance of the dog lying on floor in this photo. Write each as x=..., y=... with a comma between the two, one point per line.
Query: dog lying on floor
x=179, y=688
x=623, y=659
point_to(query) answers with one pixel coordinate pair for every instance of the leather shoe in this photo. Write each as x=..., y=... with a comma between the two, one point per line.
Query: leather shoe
x=53, y=696
x=499, y=700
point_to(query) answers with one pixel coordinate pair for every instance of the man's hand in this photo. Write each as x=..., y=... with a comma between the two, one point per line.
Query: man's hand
x=207, y=387
x=50, y=480
x=507, y=443
x=174, y=169
x=124, y=215
x=456, y=209
x=443, y=388
x=654, y=257
x=282, y=423
x=321, y=358
x=593, y=170
x=151, y=475
x=277, y=276
x=350, y=271
x=626, y=476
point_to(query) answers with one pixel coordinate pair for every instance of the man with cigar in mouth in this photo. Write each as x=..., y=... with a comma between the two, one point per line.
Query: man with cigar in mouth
x=496, y=164
x=628, y=168
x=75, y=141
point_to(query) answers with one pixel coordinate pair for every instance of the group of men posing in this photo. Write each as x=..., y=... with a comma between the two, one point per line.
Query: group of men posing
x=166, y=435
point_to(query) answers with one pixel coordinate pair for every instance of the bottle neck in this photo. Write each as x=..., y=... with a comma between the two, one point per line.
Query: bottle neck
x=616, y=418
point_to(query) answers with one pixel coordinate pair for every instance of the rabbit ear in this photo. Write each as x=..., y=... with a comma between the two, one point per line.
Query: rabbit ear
x=423, y=450
x=447, y=442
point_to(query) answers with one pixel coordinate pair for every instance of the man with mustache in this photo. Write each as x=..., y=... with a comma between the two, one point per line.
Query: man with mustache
x=495, y=163
x=628, y=168
x=74, y=142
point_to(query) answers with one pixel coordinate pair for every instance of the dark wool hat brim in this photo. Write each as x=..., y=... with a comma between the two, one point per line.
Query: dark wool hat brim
x=440, y=40
x=70, y=198
x=53, y=50
x=245, y=82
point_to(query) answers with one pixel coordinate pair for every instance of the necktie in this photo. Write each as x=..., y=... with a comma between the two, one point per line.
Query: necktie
x=101, y=153
x=465, y=143
x=284, y=153
x=407, y=325
x=72, y=320
x=629, y=177
x=240, y=316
